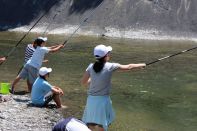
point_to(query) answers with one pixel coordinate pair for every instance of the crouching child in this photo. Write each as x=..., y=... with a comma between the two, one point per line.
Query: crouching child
x=70, y=124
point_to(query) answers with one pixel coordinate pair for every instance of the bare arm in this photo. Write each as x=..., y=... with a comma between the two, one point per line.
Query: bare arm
x=85, y=79
x=2, y=59
x=52, y=47
x=45, y=61
x=131, y=66
x=58, y=47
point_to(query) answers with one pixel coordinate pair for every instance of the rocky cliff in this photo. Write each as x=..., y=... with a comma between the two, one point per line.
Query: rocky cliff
x=177, y=17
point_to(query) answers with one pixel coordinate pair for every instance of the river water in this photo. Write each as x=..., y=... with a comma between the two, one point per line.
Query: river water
x=161, y=97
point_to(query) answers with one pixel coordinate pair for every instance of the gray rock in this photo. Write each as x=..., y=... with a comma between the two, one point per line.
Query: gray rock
x=16, y=115
x=172, y=17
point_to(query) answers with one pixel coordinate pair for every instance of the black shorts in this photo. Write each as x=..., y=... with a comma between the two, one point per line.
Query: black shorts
x=48, y=99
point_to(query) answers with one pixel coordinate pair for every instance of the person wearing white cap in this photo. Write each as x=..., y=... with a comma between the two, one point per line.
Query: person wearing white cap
x=98, y=113
x=70, y=124
x=29, y=50
x=31, y=68
x=43, y=92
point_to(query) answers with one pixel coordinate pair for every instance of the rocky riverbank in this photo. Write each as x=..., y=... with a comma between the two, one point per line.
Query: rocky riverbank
x=18, y=114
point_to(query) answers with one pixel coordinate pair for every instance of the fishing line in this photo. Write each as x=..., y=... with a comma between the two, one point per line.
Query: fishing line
x=169, y=56
x=44, y=33
x=13, y=49
x=82, y=23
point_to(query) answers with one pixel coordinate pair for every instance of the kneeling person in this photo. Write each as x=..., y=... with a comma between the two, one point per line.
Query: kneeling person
x=43, y=92
x=70, y=124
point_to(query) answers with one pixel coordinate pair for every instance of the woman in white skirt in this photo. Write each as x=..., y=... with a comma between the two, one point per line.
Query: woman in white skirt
x=98, y=113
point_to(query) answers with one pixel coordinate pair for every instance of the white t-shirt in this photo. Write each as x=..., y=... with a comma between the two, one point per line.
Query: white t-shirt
x=38, y=57
x=76, y=125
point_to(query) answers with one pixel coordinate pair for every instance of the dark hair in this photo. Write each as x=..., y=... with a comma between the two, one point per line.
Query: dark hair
x=43, y=77
x=99, y=64
x=34, y=44
x=38, y=42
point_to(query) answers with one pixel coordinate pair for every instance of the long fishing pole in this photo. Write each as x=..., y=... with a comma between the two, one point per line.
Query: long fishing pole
x=166, y=57
x=82, y=23
x=44, y=33
x=12, y=50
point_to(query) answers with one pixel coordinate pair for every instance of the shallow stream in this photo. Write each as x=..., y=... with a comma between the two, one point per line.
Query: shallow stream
x=161, y=97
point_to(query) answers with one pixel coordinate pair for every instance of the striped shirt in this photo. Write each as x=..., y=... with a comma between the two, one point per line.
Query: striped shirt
x=29, y=52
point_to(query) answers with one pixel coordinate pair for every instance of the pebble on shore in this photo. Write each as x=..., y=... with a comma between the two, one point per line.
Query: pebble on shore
x=17, y=114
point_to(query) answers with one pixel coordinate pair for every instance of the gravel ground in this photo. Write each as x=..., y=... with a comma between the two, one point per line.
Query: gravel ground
x=18, y=114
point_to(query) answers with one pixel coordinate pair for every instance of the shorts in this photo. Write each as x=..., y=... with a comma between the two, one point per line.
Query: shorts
x=29, y=72
x=48, y=97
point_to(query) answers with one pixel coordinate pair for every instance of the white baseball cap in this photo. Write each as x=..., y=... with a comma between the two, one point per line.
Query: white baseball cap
x=42, y=38
x=44, y=70
x=101, y=50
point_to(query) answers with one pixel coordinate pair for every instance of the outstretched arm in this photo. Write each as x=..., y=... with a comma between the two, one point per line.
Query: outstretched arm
x=52, y=47
x=131, y=66
x=2, y=59
x=56, y=48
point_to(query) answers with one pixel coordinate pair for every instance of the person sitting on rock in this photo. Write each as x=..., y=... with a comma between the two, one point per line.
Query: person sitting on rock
x=43, y=92
x=70, y=124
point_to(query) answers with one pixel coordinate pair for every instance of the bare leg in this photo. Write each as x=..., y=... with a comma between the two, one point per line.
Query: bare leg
x=17, y=79
x=95, y=127
x=98, y=128
x=57, y=100
x=29, y=85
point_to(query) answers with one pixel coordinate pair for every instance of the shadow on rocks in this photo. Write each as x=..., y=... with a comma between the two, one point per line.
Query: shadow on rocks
x=50, y=106
x=21, y=100
x=21, y=93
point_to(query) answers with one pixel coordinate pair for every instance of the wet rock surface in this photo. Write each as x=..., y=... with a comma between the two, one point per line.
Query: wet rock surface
x=18, y=114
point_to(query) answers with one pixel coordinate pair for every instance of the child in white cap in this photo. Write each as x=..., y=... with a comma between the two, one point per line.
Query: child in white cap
x=98, y=113
x=29, y=50
x=31, y=68
x=70, y=124
x=43, y=92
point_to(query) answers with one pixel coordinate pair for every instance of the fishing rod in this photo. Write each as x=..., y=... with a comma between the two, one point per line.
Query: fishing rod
x=166, y=57
x=82, y=23
x=44, y=33
x=12, y=50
